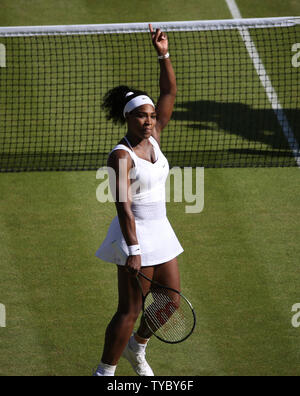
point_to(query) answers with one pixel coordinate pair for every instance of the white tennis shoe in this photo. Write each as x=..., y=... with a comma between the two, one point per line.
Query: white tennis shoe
x=137, y=359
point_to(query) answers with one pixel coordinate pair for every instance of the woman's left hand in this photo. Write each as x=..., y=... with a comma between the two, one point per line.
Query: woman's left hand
x=160, y=41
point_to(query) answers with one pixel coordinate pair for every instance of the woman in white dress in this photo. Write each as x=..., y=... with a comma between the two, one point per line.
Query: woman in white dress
x=140, y=238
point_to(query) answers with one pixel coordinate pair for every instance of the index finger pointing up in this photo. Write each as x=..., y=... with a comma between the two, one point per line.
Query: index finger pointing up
x=151, y=28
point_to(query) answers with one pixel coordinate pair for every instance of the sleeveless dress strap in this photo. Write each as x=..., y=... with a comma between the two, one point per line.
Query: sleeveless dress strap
x=125, y=148
x=156, y=147
x=154, y=142
x=128, y=142
x=130, y=150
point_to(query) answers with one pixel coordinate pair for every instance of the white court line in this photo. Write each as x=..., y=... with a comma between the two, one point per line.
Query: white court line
x=266, y=82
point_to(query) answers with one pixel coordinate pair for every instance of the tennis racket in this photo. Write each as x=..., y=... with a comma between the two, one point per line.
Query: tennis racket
x=167, y=313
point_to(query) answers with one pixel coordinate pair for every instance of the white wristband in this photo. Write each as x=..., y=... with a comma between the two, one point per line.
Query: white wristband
x=164, y=56
x=134, y=250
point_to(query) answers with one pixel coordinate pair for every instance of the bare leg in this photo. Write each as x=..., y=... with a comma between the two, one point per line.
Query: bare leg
x=121, y=326
x=168, y=275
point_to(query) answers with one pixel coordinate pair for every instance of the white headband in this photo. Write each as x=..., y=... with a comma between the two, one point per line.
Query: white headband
x=137, y=102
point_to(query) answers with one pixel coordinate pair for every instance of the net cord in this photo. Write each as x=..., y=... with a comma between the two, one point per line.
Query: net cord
x=226, y=24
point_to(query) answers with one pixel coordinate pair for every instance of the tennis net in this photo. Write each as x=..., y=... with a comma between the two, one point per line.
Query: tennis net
x=238, y=102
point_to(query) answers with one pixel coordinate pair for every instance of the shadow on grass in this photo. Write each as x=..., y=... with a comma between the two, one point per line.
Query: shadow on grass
x=203, y=133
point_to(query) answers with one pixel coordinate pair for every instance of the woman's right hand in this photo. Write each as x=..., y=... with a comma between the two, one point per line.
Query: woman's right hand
x=134, y=264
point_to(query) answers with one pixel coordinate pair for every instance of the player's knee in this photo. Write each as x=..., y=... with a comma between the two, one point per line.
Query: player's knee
x=132, y=316
x=131, y=313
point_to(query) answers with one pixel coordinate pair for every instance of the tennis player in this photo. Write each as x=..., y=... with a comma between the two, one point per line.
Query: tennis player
x=140, y=237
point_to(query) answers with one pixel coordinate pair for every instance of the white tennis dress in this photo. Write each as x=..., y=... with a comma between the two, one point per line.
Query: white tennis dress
x=156, y=237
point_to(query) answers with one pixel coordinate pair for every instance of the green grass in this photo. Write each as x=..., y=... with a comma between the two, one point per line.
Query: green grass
x=268, y=8
x=239, y=269
x=63, y=12
x=240, y=266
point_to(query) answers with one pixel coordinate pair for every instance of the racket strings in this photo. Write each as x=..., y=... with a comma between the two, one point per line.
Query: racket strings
x=168, y=315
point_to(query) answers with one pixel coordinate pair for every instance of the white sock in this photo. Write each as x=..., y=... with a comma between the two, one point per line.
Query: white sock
x=135, y=346
x=106, y=370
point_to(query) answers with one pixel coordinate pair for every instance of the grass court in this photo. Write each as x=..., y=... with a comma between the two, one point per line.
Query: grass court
x=241, y=262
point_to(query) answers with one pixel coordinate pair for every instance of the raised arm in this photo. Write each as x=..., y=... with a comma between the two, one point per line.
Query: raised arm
x=168, y=86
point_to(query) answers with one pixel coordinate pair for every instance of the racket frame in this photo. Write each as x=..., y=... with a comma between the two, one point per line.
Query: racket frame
x=174, y=291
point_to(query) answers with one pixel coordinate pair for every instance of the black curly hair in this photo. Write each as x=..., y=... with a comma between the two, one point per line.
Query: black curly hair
x=115, y=101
